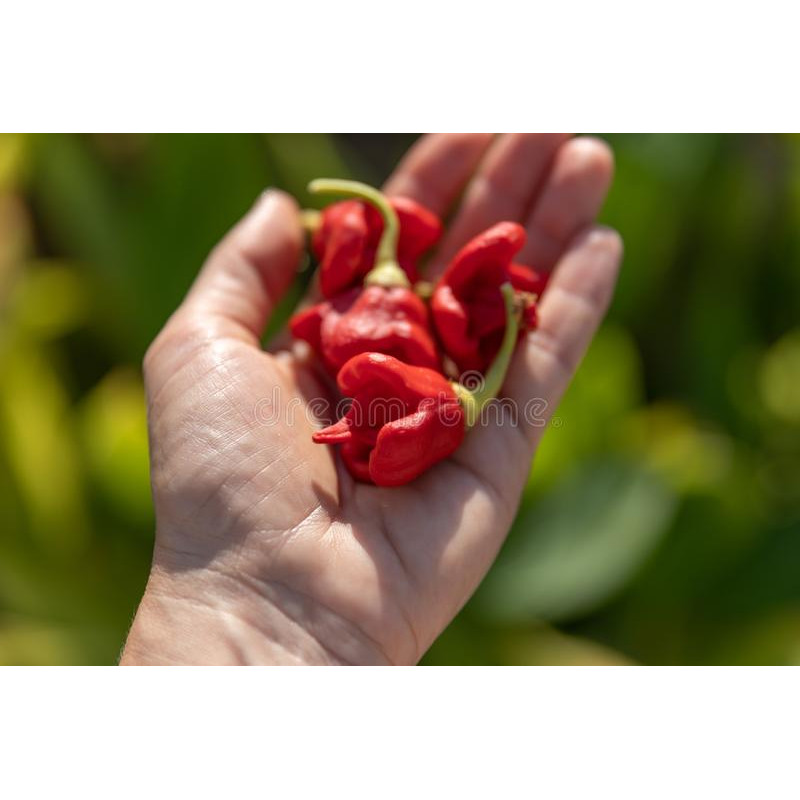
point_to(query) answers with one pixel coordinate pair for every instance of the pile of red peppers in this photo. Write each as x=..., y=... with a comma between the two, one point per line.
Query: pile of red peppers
x=396, y=345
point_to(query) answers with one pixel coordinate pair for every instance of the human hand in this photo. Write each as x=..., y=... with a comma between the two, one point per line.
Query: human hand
x=266, y=550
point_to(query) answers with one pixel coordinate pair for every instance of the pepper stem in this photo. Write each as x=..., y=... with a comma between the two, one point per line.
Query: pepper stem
x=476, y=400
x=386, y=272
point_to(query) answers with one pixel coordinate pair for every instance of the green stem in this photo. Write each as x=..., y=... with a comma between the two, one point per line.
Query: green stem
x=386, y=272
x=475, y=401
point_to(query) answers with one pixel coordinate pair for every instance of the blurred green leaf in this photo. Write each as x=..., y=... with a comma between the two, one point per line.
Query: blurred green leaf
x=467, y=642
x=301, y=157
x=607, y=387
x=780, y=378
x=14, y=154
x=773, y=639
x=37, y=428
x=50, y=301
x=545, y=646
x=579, y=545
x=651, y=203
x=147, y=231
x=114, y=430
x=464, y=642
x=15, y=236
x=26, y=642
x=690, y=456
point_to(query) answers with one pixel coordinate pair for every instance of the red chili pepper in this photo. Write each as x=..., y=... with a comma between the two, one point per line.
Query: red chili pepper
x=390, y=320
x=467, y=305
x=346, y=241
x=403, y=419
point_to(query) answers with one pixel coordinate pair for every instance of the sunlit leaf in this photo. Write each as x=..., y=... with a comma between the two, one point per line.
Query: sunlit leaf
x=467, y=642
x=46, y=642
x=607, y=386
x=25, y=642
x=689, y=455
x=780, y=378
x=146, y=231
x=13, y=158
x=15, y=236
x=50, y=301
x=38, y=429
x=114, y=430
x=545, y=646
x=573, y=550
x=768, y=640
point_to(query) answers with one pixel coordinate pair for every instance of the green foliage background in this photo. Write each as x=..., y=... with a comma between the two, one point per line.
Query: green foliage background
x=662, y=524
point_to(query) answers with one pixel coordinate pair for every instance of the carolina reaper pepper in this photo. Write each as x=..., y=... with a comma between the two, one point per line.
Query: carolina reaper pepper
x=404, y=419
x=390, y=320
x=346, y=241
x=467, y=306
x=385, y=317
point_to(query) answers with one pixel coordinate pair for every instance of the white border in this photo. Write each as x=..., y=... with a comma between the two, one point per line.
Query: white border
x=357, y=65
x=614, y=732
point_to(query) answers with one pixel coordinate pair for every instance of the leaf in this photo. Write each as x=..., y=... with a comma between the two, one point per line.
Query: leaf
x=37, y=426
x=579, y=546
x=13, y=158
x=546, y=646
x=114, y=428
x=50, y=300
x=145, y=230
x=779, y=384
x=15, y=239
x=771, y=640
x=301, y=157
x=650, y=203
x=607, y=386
x=36, y=644
x=466, y=642
x=691, y=456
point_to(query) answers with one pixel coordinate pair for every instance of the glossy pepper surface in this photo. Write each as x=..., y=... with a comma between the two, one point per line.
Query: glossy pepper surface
x=467, y=305
x=381, y=319
x=347, y=238
x=403, y=419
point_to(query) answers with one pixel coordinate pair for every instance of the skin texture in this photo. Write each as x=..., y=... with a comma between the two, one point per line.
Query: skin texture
x=266, y=550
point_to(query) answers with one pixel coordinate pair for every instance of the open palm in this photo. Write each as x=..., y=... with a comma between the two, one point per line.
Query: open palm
x=266, y=550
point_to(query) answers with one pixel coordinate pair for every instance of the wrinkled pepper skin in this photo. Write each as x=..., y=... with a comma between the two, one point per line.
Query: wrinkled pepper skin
x=403, y=420
x=389, y=320
x=348, y=235
x=467, y=305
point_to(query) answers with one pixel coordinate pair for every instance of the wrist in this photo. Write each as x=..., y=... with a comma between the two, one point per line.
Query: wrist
x=202, y=617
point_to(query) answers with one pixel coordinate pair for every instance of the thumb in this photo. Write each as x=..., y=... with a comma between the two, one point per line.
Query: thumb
x=249, y=270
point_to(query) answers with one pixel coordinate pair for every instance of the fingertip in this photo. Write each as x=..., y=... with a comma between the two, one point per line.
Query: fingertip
x=588, y=156
x=611, y=240
x=269, y=237
x=589, y=268
x=600, y=237
x=249, y=270
x=572, y=307
x=603, y=247
x=275, y=211
x=576, y=188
